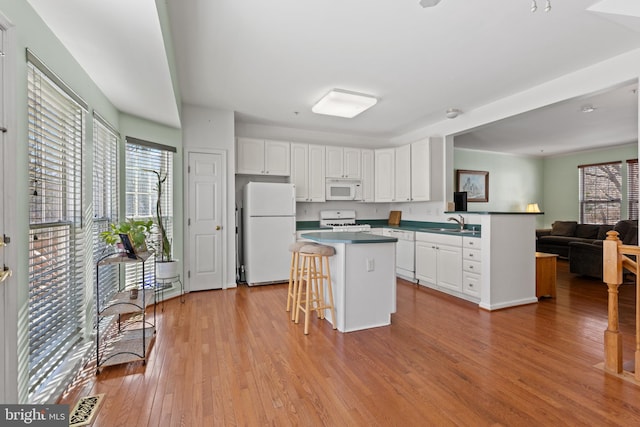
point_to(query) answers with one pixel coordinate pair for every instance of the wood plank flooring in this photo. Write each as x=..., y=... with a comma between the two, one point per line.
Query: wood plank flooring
x=233, y=357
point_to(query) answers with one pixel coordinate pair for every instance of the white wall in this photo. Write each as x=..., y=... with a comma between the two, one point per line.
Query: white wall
x=210, y=128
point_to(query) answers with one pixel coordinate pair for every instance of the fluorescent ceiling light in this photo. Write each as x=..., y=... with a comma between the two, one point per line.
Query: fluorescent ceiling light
x=342, y=103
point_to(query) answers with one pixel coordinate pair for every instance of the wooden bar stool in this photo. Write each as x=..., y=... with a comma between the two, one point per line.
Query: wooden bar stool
x=314, y=271
x=294, y=274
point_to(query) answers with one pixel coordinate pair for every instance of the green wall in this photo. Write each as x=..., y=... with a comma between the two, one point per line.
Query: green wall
x=514, y=181
x=561, y=180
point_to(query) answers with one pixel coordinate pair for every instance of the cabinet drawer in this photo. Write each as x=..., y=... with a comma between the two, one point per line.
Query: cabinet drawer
x=471, y=266
x=471, y=242
x=471, y=284
x=471, y=254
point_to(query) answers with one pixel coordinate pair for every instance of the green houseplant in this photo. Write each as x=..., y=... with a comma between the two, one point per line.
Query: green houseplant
x=138, y=230
x=166, y=265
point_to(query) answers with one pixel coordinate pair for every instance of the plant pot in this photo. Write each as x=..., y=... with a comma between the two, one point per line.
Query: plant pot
x=166, y=269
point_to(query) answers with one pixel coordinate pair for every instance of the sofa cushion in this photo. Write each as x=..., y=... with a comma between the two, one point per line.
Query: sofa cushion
x=623, y=227
x=587, y=231
x=561, y=240
x=631, y=238
x=564, y=228
x=602, y=231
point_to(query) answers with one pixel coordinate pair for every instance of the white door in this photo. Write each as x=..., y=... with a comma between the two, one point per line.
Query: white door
x=205, y=257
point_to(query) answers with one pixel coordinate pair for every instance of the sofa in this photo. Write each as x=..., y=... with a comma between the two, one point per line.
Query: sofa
x=586, y=258
x=582, y=243
x=556, y=239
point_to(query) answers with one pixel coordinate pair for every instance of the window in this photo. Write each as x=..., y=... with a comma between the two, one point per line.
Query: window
x=600, y=193
x=105, y=200
x=141, y=158
x=632, y=188
x=55, y=319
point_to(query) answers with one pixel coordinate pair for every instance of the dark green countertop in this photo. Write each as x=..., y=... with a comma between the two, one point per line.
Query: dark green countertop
x=348, y=237
x=420, y=226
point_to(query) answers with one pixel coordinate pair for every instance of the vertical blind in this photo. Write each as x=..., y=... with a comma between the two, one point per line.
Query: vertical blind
x=632, y=188
x=600, y=193
x=55, y=230
x=141, y=193
x=105, y=202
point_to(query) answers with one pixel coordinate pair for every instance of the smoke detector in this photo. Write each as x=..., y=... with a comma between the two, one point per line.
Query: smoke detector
x=429, y=3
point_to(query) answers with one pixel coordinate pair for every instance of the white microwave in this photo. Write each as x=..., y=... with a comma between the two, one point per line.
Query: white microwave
x=344, y=189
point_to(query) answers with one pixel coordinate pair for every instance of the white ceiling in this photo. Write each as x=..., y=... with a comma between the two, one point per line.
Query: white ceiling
x=270, y=61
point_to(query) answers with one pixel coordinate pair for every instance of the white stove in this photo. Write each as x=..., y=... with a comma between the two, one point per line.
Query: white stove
x=343, y=220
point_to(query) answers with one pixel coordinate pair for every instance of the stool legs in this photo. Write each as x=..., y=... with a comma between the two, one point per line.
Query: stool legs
x=293, y=283
x=314, y=289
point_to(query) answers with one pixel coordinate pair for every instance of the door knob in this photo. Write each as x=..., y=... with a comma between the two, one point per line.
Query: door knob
x=218, y=228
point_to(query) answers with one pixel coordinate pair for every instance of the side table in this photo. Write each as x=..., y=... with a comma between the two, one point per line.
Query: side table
x=545, y=275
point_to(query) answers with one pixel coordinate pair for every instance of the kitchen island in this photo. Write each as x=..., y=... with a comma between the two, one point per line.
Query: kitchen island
x=363, y=278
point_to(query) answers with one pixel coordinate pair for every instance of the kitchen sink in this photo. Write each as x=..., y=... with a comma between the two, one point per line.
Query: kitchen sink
x=454, y=230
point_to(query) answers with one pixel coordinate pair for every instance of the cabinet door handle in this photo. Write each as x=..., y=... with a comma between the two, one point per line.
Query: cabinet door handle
x=218, y=228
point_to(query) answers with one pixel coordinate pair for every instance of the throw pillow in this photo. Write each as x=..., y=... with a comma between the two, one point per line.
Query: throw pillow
x=623, y=227
x=587, y=231
x=602, y=231
x=564, y=228
x=631, y=238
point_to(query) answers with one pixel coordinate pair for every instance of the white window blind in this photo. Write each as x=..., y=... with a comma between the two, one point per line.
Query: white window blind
x=55, y=235
x=632, y=188
x=600, y=193
x=141, y=193
x=105, y=202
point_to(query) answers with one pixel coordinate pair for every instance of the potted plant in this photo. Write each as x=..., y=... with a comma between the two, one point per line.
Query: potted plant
x=166, y=265
x=137, y=230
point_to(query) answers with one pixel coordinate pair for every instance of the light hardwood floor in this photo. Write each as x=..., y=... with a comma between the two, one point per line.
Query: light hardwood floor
x=233, y=357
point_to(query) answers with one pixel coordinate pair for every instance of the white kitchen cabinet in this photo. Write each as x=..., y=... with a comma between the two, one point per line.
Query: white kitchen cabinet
x=263, y=157
x=421, y=171
x=471, y=266
x=384, y=167
x=439, y=261
x=368, y=177
x=307, y=172
x=343, y=162
x=402, y=165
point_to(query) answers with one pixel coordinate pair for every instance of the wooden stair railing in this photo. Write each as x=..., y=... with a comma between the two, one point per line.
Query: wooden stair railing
x=615, y=262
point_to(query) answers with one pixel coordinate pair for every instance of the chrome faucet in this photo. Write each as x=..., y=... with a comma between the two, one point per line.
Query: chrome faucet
x=459, y=221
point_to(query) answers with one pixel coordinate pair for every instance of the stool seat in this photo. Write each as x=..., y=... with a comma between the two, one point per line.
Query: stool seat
x=316, y=249
x=296, y=246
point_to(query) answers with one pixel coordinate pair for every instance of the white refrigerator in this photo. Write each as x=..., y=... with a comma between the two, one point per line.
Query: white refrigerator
x=269, y=228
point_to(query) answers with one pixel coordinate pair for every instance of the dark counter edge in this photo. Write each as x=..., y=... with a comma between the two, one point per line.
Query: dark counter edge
x=348, y=237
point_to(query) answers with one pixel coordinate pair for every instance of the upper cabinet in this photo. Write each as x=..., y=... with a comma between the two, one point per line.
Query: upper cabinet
x=421, y=171
x=343, y=162
x=263, y=157
x=307, y=172
x=402, y=186
x=402, y=174
x=368, y=175
x=384, y=167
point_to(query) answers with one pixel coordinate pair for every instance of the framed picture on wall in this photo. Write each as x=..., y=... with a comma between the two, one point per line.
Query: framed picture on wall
x=475, y=183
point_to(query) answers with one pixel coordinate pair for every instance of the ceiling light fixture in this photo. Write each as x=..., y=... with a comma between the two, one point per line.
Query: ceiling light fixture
x=534, y=6
x=452, y=113
x=429, y=3
x=343, y=103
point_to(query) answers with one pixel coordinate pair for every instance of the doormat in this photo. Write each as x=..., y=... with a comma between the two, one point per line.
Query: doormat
x=85, y=410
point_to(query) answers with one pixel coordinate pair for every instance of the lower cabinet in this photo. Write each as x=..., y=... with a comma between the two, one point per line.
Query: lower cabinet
x=449, y=264
x=471, y=266
x=439, y=260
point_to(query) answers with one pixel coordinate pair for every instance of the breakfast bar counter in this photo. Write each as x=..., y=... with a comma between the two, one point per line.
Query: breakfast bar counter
x=363, y=277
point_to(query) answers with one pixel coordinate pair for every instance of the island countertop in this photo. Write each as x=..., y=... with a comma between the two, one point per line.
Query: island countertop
x=350, y=237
